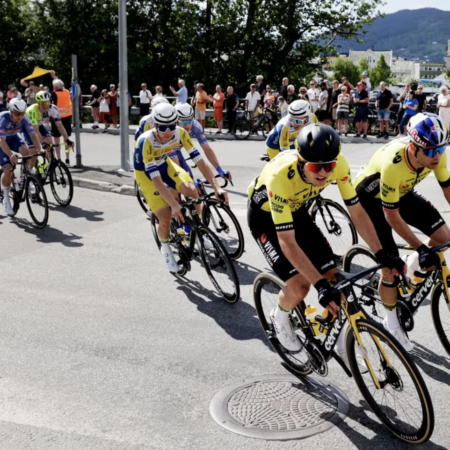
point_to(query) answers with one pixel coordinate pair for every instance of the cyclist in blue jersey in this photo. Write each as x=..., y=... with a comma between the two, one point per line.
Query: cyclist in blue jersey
x=192, y=126
x=12, y=146
x=145, y=123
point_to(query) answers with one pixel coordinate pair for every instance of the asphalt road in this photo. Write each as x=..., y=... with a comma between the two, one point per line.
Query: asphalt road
x=101, y=348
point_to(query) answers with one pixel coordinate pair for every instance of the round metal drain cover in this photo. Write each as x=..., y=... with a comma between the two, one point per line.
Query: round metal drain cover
x=279, y=407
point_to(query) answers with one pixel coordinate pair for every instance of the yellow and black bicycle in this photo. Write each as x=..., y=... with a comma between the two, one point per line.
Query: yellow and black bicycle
x=410, y=297
x=385, y=374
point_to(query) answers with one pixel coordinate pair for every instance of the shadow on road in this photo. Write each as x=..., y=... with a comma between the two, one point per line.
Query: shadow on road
x=246, y=273
x=76, y=212
x=48, y=234
x=238, y=320
x=431, y=363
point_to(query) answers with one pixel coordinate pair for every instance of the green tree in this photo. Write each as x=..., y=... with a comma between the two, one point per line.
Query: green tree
x=381, y=72
x=346, y=68
x=363, y=65
x=414, y=83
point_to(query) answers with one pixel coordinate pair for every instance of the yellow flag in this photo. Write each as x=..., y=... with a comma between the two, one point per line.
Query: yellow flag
x=37, y=72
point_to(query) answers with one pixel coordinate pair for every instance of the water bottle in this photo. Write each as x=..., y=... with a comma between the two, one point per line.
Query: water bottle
x=184, y=231
x=310, y=314
x=413, y=268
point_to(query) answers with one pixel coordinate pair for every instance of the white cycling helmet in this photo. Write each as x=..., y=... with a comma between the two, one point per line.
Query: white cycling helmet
x=164, y=114
x=17, y=105
x=299, y=108
x=185, y=111
x=158, y=100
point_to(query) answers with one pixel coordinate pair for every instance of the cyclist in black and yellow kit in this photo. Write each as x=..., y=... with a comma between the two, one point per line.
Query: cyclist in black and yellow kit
x=386, y=191
x=292, y=243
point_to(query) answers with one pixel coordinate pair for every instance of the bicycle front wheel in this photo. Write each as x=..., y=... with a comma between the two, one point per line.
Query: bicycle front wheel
x=336, y=225
x=266, y=289
x=218, y=265
x=219, y=217
x=141, y=199
x=61, y=183
x=36, y=201
x=393, y=387
x=440, y=311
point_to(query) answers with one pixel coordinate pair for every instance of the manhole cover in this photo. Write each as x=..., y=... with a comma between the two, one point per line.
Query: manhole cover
x=279, y=407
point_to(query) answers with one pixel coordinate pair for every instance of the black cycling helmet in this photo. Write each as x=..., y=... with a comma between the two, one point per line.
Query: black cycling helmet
x=318, y=143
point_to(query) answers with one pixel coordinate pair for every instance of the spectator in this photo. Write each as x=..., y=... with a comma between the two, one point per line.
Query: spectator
x=403, y=96
x=260, y=87
x=323, y=114
x=271, y=110
x=366, y=79
x=269, y=92
x=329, y=100
x=383, y=105
x=94, y=103
x=46, y=89
x=217, y=100
x=9, y=94
x=104, y=109
x=61, y=98
x=2, y=104
x=410, y=105
x=292, y=96
x=334, y=100
x=30, y=94
x=231, y=104
x=343, y=110
x=15, y=93
x=201, y=99
x=182, y=93
x=145, y=97
x=112, y=94
x=362, y=109
x=313, y=95
x=303, y=94
x=347, y=84
x=251, y=103
x=195, y=92
x=283, y=107
x=421, y=98
x=283, y=91
x=159, y=91
x=444, y=105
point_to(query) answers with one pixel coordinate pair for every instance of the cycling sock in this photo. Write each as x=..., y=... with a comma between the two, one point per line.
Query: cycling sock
x=391, y=314
x=281, y=315
x=340, y=344
x=6, y=189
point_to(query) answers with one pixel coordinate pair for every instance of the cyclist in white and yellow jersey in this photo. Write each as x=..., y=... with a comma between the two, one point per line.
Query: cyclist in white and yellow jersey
x=145, y=123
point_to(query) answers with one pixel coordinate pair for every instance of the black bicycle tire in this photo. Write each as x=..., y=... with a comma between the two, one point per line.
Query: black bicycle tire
x=341, y=210
x=143, y=205
x=53, y=168
x=211, y=202
x=35, y=179
x=242, y=137
x=260, y=281
x=426, y=430
x=437, y=294
x=230, y=266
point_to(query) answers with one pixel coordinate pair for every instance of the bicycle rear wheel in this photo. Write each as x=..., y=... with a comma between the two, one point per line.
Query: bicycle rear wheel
x=218, y=265
x=36, y=201
x=141, y=199
x=61, y=183
x=219, y=217
x=401, y=400
x=336, y=225
x=242, y=128
x=266, y=289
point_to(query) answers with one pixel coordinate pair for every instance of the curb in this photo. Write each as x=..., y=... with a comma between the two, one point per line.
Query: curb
x=103, y=186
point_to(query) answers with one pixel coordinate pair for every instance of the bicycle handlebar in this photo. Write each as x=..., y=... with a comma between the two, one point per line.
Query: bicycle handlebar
x=223, y=186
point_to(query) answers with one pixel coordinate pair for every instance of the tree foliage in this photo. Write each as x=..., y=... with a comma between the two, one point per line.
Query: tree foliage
x=381, y=72
x=345, y=68
x=215, y=41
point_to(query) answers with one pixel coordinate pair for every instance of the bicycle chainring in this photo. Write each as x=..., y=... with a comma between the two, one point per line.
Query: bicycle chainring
x=405, y=317
x=316, y=360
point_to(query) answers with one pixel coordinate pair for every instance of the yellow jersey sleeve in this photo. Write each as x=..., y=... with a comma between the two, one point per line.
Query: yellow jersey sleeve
x=390, y=177
x=344, y=182
x=442, y=173
x=148, y=156
x=279, y=192
x=284, y=139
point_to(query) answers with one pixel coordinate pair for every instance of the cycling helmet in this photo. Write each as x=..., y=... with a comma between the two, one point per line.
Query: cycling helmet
x=427, y=130
x=366, y=73
x=318, y=143
x=299, y=108
x=185, y=111
x=17, y=105
x=158, y=100
x=164, y=114
x=43, y=96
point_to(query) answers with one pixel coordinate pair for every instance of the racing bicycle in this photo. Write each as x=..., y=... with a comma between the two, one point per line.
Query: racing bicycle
x=201, y=240
x=410, y=296
x=385, y=374
x=28, y=188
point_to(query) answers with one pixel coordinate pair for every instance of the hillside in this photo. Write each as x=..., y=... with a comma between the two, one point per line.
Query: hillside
x=413, y=34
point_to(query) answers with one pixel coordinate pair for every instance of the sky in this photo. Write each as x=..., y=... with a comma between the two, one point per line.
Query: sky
x=396, y=5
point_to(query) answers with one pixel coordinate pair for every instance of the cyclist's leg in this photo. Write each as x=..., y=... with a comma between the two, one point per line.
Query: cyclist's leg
x=57, y=139
x=272, y=152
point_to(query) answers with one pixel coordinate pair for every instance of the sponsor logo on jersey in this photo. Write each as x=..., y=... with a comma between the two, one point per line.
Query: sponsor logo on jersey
x=405, y=186
x=156, y=193
x=270, y=194
x=437, y=223
x=372, y=186
x=280, y=199
x=259, y=196
x=176, y=174
x=268, y=250
x=344, y=179
x=263, y=238
x=291, y=173
x=303, y=190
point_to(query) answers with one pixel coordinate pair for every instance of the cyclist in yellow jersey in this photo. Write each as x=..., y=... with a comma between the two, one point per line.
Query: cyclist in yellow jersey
x=386, y=191
x=282, y=136
x=155, y=173
x=291, y=242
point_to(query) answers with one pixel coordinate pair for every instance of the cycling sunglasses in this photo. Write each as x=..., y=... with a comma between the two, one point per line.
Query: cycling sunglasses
x=186, y=122
x=45, y=103
x=431, y=152
x=317, y=167
x=18, y=114
x=298, y=121
x=165, y=128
